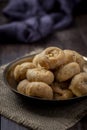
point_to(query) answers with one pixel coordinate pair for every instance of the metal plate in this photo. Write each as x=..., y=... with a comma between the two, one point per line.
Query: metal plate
x=12, y=84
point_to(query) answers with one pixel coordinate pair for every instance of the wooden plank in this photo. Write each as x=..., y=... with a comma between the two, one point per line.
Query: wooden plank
x=9, y=52
x=82, y=28
x=10, y=125
x=71, y=39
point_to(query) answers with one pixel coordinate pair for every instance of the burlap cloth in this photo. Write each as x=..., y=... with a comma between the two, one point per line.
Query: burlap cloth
x=39, y=118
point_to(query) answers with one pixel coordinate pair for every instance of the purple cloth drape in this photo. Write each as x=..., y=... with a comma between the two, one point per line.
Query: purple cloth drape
x=31, y=20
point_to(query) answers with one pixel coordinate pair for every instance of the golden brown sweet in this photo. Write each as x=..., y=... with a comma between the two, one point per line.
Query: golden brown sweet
x=67, y=71
x=56, y=88
x=21, y=87
x=73, y=56
x=20, y=70
x=66, y=94
x=40, y=75
x=61, y=85
x=79, y=84
x=59, y=93
x=39, y=89
x=50, y=58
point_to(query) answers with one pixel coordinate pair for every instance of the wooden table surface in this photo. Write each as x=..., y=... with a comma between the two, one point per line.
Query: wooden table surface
x=71, y=38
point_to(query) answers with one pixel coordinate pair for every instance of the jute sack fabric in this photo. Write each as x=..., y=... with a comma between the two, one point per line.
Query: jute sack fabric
x=36, y=117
